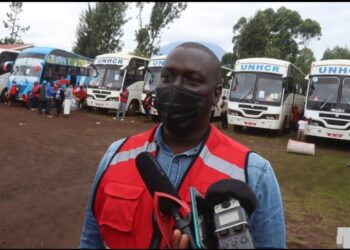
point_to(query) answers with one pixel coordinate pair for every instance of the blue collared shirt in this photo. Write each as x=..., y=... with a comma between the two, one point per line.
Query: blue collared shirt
x=267, y=223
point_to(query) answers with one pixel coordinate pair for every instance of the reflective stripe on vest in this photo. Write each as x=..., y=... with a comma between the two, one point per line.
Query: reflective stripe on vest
x=123, y=207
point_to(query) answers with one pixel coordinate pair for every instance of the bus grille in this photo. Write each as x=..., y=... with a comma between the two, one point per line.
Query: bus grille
x=252, y=112
x=344, y=117
x=252, y=107
x=336, y=122
x=101, y=96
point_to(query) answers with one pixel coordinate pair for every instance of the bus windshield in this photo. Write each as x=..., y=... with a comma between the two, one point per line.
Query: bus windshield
x=345, y=96
x=109, y=77
x=152, y=79
x=243, y=87
x=323, y=93
x=25, y=66
x=269, y=89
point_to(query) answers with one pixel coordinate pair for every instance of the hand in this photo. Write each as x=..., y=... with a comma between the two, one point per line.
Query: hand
x=180, y=241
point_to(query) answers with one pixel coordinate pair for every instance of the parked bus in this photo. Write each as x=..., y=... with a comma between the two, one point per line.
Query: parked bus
x=328, y=100
x=266, y=93
x=7, y=58
x=109, y=74
x=49, y=64
x=153, y=74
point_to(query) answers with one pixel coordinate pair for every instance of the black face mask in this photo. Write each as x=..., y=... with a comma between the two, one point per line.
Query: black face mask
x=178, y=108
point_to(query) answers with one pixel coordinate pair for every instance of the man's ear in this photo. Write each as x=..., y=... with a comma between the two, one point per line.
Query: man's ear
x=217, y=94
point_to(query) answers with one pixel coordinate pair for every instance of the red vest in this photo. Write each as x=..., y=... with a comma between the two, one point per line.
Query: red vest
x=122, y=205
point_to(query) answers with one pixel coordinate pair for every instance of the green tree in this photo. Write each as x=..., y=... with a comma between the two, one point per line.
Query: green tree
x=162, y=14
x=274, y=34
x=304, y=60
x=12, y=23
x=336, y=53
x=228, y=60
x=100, y=29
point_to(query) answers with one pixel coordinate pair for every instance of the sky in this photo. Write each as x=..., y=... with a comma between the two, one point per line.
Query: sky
x=54, y=24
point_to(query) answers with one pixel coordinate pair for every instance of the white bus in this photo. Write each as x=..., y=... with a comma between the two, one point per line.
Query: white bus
x=109, y=74
x=266, y=93
x=328, y=100
x=151, y=80
x=153, y=74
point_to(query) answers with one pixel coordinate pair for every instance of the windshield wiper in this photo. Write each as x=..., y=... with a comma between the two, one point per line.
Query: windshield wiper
x=347, y=100
x=326, y=102
x=245, y=94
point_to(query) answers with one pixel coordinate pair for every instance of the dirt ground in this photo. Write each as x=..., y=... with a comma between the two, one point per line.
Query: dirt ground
x=47, y=168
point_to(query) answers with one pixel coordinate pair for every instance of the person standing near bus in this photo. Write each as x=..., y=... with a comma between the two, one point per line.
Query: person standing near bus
x=223, y=107
x=49, y=95
x=301, y=128
x=36, y=95
x=13, y=93
x=68, y=101
x=42, y=98
x=124, y=95
x=59, y=98
x=147, y=104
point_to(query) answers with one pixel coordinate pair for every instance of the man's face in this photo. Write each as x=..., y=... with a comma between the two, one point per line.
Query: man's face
x=192, y=69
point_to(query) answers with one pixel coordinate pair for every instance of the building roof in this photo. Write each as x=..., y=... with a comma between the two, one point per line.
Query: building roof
x=16, y=46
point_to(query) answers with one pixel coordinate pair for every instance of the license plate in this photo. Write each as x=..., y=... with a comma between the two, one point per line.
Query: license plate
x=334, y=135
x=250, y=123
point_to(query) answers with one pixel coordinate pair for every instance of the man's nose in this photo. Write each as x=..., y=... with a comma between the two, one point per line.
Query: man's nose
x=179, y=80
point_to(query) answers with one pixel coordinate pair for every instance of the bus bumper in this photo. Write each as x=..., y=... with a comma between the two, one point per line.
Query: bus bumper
x=102, y=104
x=327, y=133
x=256, y=123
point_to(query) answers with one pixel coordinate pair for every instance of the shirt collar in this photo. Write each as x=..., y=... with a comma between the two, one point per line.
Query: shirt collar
x=160, y=142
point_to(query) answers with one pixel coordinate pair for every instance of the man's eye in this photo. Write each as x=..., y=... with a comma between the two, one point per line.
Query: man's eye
x=165, y=77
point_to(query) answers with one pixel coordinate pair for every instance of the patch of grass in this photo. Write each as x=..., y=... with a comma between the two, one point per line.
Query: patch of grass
x=315, y=189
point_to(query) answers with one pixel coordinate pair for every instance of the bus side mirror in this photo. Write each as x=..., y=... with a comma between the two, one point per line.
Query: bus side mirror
x=7, y=66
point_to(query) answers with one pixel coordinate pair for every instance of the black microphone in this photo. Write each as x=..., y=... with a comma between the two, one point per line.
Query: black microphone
x=231, y=200
x=156, y=180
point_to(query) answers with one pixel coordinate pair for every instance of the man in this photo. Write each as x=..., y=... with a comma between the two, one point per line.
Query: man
x=301, y=128
x=13, y=93
x=124, y=95
x=223, y=107
x=42, y=98
x=191, y=151
x=49, y=95
x=147, y=104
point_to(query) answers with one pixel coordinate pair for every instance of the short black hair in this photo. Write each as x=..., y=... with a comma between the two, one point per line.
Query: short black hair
x=217, y=65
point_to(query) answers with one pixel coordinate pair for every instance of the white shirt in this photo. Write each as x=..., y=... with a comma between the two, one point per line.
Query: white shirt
x=301, y=124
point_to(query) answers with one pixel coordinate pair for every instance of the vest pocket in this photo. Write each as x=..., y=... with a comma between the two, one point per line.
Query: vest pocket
x=120, y=205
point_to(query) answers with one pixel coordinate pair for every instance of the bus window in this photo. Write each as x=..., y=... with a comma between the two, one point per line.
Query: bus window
x=345, y=96
x=242, y=87
x=269, y=88
x=114, y=77
x=323, y=91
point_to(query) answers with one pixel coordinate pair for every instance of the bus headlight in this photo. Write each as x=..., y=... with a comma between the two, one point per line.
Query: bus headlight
x=233, y=112
x=272, y=117
x=89, y=97
x=113, y=99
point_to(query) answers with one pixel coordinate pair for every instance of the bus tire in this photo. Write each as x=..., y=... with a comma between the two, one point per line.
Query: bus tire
x=3, y=95
x=237, y=128
x=133, y=107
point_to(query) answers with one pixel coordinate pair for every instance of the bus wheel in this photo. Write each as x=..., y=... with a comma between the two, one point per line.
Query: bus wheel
x=133, y=107
x=3, y=95
x=237, y=128
x=281, y=131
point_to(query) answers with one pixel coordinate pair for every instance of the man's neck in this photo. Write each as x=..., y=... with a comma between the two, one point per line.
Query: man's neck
x=181, y=144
